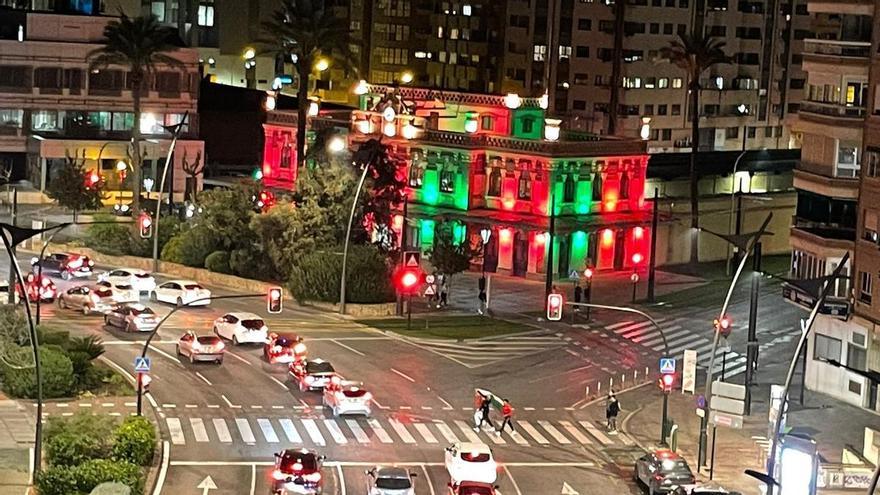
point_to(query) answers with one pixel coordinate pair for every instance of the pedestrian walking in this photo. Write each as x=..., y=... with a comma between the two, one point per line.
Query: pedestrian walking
x=578, y=294
x=612, y=409
x=507, y=414
x=444, y=292
x=484, y=413
x=481, y=285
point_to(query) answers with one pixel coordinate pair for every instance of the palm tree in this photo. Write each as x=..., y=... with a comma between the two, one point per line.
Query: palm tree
x=694, y=53
x=303, y=32
x=139, y=44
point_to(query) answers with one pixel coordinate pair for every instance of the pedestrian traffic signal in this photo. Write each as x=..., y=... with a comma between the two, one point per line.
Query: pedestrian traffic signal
x=407, y=280
x=666, y=382
x=588, y=273
x=274, y=301
x=554, y=307
x=723, y=325
x=146, y=225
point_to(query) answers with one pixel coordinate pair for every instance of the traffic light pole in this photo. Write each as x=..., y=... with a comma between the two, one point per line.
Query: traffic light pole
x=752, y=346
x=652, y=263
x=548, y=282
x=409, y=312
x=664, y=418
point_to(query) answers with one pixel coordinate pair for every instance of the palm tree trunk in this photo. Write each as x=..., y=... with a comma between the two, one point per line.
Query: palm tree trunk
x=695, y=144
x=136, y=158
x=302, y=96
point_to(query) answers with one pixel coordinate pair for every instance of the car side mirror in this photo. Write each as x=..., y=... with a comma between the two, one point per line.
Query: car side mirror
x=448, y=449
x=277, y=455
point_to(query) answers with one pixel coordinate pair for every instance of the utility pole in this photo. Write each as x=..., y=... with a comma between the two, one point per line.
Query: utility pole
x=652, y=264
x=752, y=346
x=548, y=282
x=13, y=212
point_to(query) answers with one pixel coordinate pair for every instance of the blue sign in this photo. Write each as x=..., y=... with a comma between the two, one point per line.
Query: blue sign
x=141, y=364
x=667, y=366
x=701, y=401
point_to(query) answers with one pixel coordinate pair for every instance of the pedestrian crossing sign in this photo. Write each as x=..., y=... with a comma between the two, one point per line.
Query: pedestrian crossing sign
x=141, y=364
x=667, y=366
x=411, y=259
x=574, y=275
x=429, y=290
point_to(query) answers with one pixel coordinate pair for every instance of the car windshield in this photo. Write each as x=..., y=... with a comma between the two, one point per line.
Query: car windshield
x=319, y=367
x=475, y=490
x=676, y=466
x=475, y=456
x=393, y=483
x=354, y=392
x=142, y=275
x=193, y=286
x=297, y=462
x=144, y=311
x=102, y=292
x=252, y=324
x=209, y=340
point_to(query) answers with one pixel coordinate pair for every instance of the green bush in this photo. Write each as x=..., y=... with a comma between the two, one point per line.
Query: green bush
x=111, y=488
x=58, y=377
x=252, y=263
x=218, y=261
x=56, y=480
x=190, y=247
x=96, y=471
x=316, y=276
x=81, y=364
x=110, y=238
x=134, y=441
x=72, y=441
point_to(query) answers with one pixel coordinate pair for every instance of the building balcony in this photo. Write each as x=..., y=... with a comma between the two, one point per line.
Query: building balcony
x=806, y=178
x=835, y=48
x=593, y=146
x=826, y=242
x=833, y=110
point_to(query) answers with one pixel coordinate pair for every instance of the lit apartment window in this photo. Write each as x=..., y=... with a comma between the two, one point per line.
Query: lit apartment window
x=540, y=53
x=856, y=353
x=847, y=159
x=466, y=9
x=663, y=83
x=869, y=226
x=453, y=34
x=865, y=283
x=650, y=83
x=206, y=13
x=676, y=82
x=447, y=181
x=158, y=10
x=421, y=54
x=632, y=82
x=564, y=52
x=439, y=31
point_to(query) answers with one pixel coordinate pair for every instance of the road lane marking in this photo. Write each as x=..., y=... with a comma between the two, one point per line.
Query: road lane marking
x=166, y=406
x=359, y=432
x=446, y=405
x=512, y=481
x=253, y=479
x=352, y=349
x=199, y=431
x=468, y=432
x=341, y=480
x=314, y=432
x=447, y=432
x=532, y=431
x=222, y=430
x=401, y=430
x=169, y=356
x=244, y=429
x=335, y=431
x=592, y=430
x=290, y=430
x=383, y=435
x=268, y=432
x=404, y=375
x=228, y=403
x=573, y=431
x=279, y=382
x=425, y=432
x=163, y=471
x=236, y=356
x=175, y=429
x=199, y=374
x=556, y=434
x=428, y=479
x=368, y=464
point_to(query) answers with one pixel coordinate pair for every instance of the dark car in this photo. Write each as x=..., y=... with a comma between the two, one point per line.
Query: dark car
x=65, y=265
x=297, y=472
x=473, y=488
x=311, y=375
x=132, y=318
x=662, y=471
x=284, y=348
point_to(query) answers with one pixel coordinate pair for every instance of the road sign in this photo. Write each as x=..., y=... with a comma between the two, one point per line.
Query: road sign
x=728, y=420
x=689, y=371
x=701, y=401
x=141, y=364
x=411, y=259
x=206, y=484
x=429, y=290
x=725, y=404
x=728, y=397
x=429, y=279
x=574, y=275
x=667, y=365
x=729, y=390
x=568, y=490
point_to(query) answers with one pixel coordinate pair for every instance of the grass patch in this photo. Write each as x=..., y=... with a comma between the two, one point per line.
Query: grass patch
x=107, y=382
x=449, y=327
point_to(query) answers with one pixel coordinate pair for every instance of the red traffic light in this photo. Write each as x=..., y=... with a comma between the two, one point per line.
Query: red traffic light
x=408, y=279
x=637, y=258
x=723, y=325
x=275, y=300
x=667, y=381
x=146, y=225
x=554, y=307
x=92, y=179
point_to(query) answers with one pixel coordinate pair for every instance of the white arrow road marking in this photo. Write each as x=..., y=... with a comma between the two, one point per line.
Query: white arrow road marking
x=568, y=490
x=207, y=484
x=222, y=430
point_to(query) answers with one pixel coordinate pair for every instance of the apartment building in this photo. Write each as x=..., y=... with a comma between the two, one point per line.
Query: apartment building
x=52, y=106
x=838, y=201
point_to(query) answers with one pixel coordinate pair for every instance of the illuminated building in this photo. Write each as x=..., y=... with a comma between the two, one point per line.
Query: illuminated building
x=475, y=162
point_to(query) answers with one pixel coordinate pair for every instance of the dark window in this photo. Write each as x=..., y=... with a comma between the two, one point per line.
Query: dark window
x=662, y=109
x=15, y=76
x=597, y=186
x=800, y=34
x=667, y=28
x=568, y=189
x=752, y=131
x=73, y=78
x=106, y=80
x=585, y=24
x=624, y=185
x=581, y=78
x=168, y=82
x=494, y=182
x=416, y=175
x=528, y=125
x=796, y=84
x=718, y=31
x=579, y=105
x=676, y=109
x=582, y=51
x=826, y=347
x=716, y=4
x=447, y=181
x=655, y=28
x=525, y=185
x=48, y=77
x=665, y=134
x=605, y=54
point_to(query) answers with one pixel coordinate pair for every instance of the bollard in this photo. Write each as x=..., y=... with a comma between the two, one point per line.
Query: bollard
x=610, y=384
x=622, y=380
x=599, y=388
x=636, y=375
x=646, y=372
x=587, y=394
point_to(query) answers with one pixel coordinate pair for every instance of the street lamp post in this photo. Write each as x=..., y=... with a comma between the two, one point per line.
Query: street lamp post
x=652, y=266
x=175, y=133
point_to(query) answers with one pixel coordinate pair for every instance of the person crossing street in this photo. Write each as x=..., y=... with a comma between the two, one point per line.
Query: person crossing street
x=507, y=414
x=612, y=409
x=483, y=411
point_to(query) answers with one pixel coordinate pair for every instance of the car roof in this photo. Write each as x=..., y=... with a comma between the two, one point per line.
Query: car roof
x=392, y=472
x=129, y=269
x=244, y=315
x=477, y=447
x=666, y=454
x=182, y=282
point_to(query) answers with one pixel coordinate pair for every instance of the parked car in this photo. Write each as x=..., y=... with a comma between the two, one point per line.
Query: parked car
x=181, y=292
x=122, y=293
x=132, y=318
x=65, y=265
x=87, y=299
x=201, y=347
x=703, y=489
x=390, y=480
x=473, y=488
x=662, y=471
x=241, y=328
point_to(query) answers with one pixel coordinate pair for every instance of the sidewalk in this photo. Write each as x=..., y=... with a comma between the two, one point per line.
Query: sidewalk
x=16, y=440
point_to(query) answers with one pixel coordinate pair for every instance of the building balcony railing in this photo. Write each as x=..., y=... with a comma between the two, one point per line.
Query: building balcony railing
x=597, y=146
x=857, y=49
x=832, y=109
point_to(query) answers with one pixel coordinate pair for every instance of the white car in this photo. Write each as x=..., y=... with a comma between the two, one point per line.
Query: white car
x=122, y=293
x=181, y=292
x=345, y=397
x=139, y=279
x=470, y=461
x=242, y=328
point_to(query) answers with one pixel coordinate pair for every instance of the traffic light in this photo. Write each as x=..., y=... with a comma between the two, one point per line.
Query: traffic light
x=667, y=380
x=92, y=179
x=588, y=273
x=408, y=280
x=146, y=225
x=723, y=325
x=554, y=307
x=274, y=301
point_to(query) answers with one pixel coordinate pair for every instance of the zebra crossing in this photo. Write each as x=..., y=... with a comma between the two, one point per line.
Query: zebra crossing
x=679, y=338
x=481, y=352
x=321, y=432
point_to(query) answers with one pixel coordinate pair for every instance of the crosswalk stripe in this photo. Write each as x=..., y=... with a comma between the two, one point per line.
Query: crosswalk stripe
x=617, y=325
x=199, y=431
x=495, y=438
x=447, y=433
x=574, y=432
x=268, y=432
x=626, y=439
x=658, y=338
x=467, y=431
x=682, y=339
x=244, y=429
x=634, y=326
x=401, y=431
x=425, y=432
x=532, y=431
x=359, y=432
x=335, y=431
x=643, y=330
x=290, y=430
x=176, y=431
x=222, y=430
x=598, y=435
x=556, y=434
x=383, y=435
x=314, y=432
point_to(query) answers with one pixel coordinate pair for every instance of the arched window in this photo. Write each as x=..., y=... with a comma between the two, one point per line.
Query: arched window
x=447, y=180
x=416, y=175
x=568, y=189
x=525, y=185
x=624, y=185
x=494, y=182
x=597, y=186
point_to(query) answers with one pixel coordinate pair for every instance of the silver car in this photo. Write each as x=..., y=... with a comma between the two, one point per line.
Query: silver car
x=390, y=480
x=87, y=299
x=201, y=347
x=132, y=318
